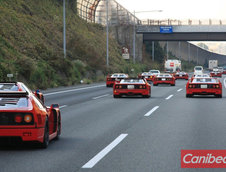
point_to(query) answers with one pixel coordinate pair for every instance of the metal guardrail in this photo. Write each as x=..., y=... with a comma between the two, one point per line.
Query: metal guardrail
x=168, y=22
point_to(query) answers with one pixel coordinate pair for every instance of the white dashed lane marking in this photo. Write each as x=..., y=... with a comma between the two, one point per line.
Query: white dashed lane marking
x=151, y=111
x=94, y=98
x=167, y=98
x=105, y=151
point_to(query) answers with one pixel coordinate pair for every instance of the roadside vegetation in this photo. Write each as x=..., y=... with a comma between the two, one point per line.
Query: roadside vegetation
x=31, y=46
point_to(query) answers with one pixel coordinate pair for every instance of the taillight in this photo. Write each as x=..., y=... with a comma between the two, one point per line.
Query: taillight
x=116, y=86
x=217, y=86
x=28, y=118
x=214, y=86
x=18, y=118
x=190, y=86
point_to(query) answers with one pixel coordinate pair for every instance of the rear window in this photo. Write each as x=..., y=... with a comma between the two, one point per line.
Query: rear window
x=154, y=71
x=204, y=80
x=132, y=81
x=13, y=102
x=8, y=87
x=198, y=68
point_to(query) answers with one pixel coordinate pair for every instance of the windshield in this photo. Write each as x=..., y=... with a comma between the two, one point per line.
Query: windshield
x=8, y=87
x=13, y=102
x=154, y=71
x=198, y=68
x=126, y=81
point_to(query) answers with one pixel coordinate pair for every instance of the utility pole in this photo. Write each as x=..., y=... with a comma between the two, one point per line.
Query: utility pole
x=64, y=34
x=107, y=56
x=189, y=53
x=179, y=50
x=167, y=50
x=197, y=53
x=134, y=39
x=153, y=51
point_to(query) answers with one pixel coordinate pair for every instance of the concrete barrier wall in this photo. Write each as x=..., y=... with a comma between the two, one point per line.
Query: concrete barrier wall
x=197, y=54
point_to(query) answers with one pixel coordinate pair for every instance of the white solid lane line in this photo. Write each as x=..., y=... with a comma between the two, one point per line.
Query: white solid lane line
x=63, y=106
x=76, y=89
x=104, y=152
x=179, y=90
x=94, y=98
x=167, y=98
x=151, y=111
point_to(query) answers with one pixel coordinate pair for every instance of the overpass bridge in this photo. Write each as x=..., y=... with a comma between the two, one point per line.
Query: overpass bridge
x=122, y=24
x=181, y=31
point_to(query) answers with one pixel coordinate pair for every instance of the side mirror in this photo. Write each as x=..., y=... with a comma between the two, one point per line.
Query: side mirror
x=55, y=106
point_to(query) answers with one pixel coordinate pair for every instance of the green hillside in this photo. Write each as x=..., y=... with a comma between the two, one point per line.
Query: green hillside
x=31, y=34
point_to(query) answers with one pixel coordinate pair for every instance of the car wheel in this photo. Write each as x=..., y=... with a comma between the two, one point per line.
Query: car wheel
x=45, y=142
x=116, y=96
x=172, y=84
x=219, y=95
x=58, y=128
x=155, y=84
x=188, y=95
x=147, y=96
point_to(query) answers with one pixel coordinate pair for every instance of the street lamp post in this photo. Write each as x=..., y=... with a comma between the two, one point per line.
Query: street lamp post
x=64, y=34
x=134, y=35
x=107, y=47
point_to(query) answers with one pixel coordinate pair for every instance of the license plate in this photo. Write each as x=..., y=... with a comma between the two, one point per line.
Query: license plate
x=203, y=86
x=163, y=79
x=130, y=86
x=180, y=75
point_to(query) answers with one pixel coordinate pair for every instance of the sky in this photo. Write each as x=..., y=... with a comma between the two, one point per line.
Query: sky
x=177, y=9
x=181, y=10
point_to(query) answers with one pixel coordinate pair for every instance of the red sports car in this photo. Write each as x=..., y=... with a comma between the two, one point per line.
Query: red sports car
x=204, y=86
x=110, y=80
x=164, y=79
x=147, y=75
x=216, y=74
x=24, y=117
x=132, y=86
x=181, y=75
x=19, y=86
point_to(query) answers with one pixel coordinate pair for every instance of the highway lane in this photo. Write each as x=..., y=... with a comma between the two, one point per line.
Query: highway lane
x=92, y=124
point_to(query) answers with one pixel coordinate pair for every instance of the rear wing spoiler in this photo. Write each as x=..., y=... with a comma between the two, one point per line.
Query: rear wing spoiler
x=13, y=94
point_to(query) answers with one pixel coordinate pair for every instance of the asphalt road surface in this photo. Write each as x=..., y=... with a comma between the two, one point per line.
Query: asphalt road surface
x=103, y=134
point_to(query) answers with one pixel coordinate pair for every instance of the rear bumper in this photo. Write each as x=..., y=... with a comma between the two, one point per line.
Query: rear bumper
x=28, y=134
x=204, y=91
x=216, y=75
x=110, y=83
x=181, y=77
x=131, y=92
x=164, y=82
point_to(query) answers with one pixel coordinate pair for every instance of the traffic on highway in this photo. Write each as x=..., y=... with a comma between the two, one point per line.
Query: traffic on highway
x=101, y=132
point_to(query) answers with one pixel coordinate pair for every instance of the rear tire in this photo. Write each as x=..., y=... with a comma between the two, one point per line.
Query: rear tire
x=45, y=142
x=116, y=96
x=155, y=84
x=188, y=95
x=147, y=96
x=219, y=95
x=58, y=128
x=172, y=84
